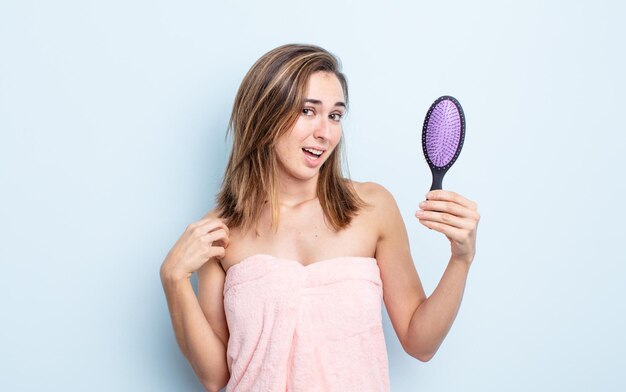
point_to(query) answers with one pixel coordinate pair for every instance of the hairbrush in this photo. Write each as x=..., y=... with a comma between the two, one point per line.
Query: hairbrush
x=442, y=136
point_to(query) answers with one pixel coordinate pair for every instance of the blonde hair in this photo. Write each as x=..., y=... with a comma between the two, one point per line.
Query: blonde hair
x=267, y=105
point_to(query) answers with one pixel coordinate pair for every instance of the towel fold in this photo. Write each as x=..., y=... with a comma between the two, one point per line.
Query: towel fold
x=305, y=328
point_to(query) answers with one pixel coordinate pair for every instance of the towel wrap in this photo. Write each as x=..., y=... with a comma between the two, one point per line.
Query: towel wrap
x=305, y=328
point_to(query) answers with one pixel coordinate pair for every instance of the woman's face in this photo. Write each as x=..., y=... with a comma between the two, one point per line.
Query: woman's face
x=302, y=151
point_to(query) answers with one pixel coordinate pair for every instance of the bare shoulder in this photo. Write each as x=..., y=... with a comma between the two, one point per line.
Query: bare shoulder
x=382, y=207
x=374, y=194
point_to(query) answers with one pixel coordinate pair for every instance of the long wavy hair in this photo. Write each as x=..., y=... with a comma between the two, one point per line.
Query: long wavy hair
x=268, y=104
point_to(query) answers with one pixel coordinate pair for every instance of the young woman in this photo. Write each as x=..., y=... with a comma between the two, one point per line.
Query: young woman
x=294, y=261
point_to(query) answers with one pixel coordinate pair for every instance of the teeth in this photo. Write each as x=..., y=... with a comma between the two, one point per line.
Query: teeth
x=316, y=152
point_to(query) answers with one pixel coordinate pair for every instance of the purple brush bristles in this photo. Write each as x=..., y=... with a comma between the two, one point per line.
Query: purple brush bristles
x=443, y=133
x=442, y=136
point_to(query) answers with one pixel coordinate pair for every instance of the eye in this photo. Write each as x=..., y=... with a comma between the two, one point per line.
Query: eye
x=306, y=111
x=336, y=116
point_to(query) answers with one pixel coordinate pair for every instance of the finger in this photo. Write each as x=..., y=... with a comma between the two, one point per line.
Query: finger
x=218, y=224
x=450, y=208
x=217, y=235
x=217, y=252
x=208, y=225
x=451, y=232
x=454, y=197
x=444, y=218
x=207, y=219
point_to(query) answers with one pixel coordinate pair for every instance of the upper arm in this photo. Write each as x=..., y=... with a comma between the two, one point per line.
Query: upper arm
x=402, y=288
x=210, y=287
x=211, y=278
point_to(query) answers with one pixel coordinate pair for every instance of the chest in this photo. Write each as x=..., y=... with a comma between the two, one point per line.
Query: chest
x=303, y=236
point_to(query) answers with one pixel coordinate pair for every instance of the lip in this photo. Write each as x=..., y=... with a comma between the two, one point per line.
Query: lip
x=316, y=148
x=310, y=162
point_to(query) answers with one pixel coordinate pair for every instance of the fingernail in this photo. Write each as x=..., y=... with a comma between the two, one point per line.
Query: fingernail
x=423, y=204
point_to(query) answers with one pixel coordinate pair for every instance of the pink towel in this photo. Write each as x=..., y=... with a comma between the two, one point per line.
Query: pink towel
x=305, y=328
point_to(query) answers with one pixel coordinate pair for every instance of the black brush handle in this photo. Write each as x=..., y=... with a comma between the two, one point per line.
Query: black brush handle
x=437, y=177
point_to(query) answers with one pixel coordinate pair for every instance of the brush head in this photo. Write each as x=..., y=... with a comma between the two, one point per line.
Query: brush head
x=443, y=133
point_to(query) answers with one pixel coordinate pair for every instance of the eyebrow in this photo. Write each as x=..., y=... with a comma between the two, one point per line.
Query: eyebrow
x=318, y=102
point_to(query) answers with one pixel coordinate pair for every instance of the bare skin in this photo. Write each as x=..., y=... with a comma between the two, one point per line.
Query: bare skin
x=210, y=248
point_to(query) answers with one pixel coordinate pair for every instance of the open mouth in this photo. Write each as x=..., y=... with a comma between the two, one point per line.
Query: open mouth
x=312, y=153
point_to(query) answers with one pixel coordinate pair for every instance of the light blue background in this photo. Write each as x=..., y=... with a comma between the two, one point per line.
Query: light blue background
x=112, y=121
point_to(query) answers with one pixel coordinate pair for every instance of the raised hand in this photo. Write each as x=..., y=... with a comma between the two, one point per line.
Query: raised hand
x=201, y=241
x=455, y=216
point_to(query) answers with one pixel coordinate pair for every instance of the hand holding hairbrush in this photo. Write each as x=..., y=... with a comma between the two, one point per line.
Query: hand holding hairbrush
x=442, y=136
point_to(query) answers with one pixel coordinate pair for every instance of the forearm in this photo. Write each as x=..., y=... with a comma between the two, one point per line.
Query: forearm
x=433, y=318
x=198, y=342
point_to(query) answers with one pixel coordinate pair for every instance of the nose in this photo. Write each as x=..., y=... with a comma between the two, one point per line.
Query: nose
x=323, y=128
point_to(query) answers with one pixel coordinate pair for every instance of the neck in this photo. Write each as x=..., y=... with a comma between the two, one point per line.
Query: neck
x=293, y=192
